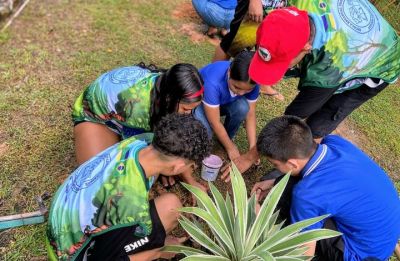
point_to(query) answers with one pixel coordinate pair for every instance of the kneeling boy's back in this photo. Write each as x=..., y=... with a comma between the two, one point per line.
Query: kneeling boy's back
x=103, y=209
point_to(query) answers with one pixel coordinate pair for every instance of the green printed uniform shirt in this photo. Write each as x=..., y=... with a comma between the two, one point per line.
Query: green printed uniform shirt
x=107, y=192
x=120, y=98
x=352, y=41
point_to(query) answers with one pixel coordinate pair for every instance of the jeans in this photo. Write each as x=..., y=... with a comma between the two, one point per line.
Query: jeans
x=235, y=113
x=213, y=14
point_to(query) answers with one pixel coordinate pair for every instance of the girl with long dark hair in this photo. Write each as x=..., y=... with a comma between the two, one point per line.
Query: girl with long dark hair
x=130, y=100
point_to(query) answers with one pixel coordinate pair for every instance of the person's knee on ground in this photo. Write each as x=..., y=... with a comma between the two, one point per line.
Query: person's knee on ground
x=213, y=14
x=167, y=206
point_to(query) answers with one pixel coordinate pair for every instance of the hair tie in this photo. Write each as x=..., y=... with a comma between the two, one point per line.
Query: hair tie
x=196, y=94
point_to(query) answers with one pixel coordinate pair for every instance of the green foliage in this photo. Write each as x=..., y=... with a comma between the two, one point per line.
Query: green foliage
x=238, y=233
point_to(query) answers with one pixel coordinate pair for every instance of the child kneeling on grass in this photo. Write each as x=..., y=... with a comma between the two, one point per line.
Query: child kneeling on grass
x=336, y=178
x=216, y=14
x=102, y=211
x=229, y=92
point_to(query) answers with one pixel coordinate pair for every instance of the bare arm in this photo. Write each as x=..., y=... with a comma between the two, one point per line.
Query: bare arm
x=256, y=11
x=246, y=160
x=213, y=117
x=311, y=248
x=188, y=178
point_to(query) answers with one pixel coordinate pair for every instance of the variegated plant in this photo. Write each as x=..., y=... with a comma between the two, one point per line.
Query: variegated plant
x=237, y=233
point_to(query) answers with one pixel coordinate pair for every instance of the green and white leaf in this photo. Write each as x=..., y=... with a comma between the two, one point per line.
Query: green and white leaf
x=205, y=257
x=200, y=237
x=183, y=249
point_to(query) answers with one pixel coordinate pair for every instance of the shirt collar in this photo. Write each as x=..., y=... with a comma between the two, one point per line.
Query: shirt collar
x=315, y=160
x=232, y=93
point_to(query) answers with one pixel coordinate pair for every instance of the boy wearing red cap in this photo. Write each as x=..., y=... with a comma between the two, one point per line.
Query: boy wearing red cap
x=347, y=53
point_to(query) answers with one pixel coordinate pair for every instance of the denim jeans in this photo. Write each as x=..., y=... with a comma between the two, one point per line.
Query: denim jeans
x=213, y=14
x=235, y=113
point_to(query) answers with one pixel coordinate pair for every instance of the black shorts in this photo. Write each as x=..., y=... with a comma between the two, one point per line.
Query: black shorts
x=122, y=131
x=118, y=244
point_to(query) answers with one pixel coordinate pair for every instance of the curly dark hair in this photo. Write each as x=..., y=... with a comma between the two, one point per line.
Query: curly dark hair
x=182, y=135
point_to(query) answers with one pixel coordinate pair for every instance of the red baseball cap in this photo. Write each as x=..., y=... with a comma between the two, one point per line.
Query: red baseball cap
x=280, y=38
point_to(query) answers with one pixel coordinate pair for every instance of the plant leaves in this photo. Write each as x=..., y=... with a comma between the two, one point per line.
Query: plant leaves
x=289, y=258
x=239, y=213
x=251, y=211
x=303, y=238
x=295, y=251
x=224, y=212
x=200, y=237
x=269, y=229
x=237, y=237
x=287, y=232
x=265, y=256
x=229, y=208
x=207, y=204
x=240, y=203
x=205, y=257
x=220, y=234
x=265, y=213
x=188, y=251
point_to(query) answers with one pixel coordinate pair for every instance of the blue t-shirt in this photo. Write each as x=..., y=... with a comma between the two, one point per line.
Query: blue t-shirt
x=342, y=181
x=216, y=90
x=227, y=4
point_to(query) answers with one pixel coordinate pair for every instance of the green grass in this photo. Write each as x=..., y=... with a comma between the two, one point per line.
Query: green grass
x=379, y=120
x=391, y=10
x=52, y=51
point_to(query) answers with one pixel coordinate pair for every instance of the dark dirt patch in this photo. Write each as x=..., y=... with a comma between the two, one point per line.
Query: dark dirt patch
x=194, y=32
x=352, y=133
x=186, y=12
x=3, y=148
x=5, y=238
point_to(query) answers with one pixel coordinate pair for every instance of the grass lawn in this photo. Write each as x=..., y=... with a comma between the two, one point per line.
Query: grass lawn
x=56, y=47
